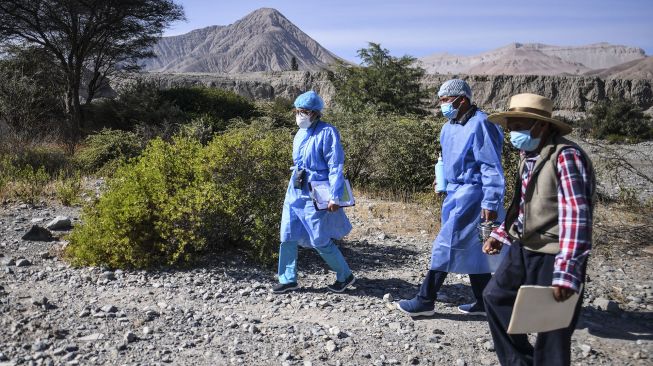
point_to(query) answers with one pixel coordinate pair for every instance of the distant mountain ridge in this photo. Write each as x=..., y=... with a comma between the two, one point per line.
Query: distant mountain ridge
x=534, y=59
x=264, y=40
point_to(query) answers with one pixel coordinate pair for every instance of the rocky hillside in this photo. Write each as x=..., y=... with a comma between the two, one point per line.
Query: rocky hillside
x=570, y=93
x=636, y=69
x=262, y=41
x=534, y=59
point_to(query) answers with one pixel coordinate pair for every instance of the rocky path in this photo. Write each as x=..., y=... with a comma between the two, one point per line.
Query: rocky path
x=223, y=312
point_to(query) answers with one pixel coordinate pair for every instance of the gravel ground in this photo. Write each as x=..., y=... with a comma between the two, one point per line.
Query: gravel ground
x=222, y=312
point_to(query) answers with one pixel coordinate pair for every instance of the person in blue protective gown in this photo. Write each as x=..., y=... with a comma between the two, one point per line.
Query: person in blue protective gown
x=317, y=156
x=471, y=153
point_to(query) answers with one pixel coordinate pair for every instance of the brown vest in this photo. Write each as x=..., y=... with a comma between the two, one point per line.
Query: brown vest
x=540, y=231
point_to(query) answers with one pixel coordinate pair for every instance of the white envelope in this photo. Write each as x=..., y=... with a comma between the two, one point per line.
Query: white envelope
x=536, y=311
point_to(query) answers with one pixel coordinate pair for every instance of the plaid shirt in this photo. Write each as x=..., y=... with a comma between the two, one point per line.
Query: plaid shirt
x=574, y=216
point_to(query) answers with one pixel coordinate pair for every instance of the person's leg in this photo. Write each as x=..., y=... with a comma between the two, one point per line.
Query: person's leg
x=499, y=298
x=336, y=261
x=479, y=282
x=287, y=270
x=423, y=304
x=428, y=291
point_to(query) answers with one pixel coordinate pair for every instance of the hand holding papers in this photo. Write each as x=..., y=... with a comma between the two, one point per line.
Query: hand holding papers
x=536, y=311
x=321, y=195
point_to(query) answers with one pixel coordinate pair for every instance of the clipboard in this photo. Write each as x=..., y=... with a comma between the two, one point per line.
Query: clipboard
x=536, y=311
x=320, y=193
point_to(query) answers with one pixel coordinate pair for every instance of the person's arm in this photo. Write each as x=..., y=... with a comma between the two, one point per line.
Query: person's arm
x=487, y=152
x=575, y=223
x=335, y=158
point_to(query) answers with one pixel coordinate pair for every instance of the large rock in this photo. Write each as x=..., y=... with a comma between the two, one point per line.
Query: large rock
x=37, y=233
x=59, y=223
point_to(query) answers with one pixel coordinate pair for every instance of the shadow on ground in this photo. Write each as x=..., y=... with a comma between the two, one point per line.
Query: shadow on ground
x=624, y=325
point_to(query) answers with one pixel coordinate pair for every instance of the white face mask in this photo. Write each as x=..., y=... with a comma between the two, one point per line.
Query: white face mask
x=303, y=120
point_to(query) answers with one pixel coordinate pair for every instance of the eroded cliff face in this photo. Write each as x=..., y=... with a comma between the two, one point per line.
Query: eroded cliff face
x=569, y=93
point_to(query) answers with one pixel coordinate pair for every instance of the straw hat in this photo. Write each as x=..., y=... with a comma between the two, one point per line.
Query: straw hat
x=530, y=106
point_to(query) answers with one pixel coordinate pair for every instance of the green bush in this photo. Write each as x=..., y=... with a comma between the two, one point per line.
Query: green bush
x=180, y=199
x=220, y=105
x=68, y=188
x=278, y=112
x=250, y=165
x=389, y=152
x=108, y=146
x=617, y=121
x=138, y=103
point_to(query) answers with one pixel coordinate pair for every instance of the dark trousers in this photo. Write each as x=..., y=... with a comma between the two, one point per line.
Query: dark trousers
x=434, y=280
x=524, y=267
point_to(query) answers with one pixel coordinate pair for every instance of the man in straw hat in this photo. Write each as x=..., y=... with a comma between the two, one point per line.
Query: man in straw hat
x=548, y=227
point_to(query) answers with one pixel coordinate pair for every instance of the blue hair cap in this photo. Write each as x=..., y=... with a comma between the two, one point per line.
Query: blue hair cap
x=309, y=100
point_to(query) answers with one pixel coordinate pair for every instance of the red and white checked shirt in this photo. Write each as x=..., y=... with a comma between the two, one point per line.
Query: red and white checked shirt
x=574, y=216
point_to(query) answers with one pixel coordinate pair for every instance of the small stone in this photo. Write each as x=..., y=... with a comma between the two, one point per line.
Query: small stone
x=92, y=337
x=335, y=331
x=39, y=346
x=108, y=275
x=147, y=330
x=23, y=263
x=488, y=346
x=37, y=233
x=39, y=301
x=606, y=305
x=461, y=362
x=388, y=298
x=109, y=309
x=130, y=337
x=84, y=313
x=331, y=346
x=59, y=223
x=586, y=349
x=9, y=261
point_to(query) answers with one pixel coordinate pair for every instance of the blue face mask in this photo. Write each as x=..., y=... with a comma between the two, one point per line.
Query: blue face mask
x=523, y=140
x=448, y=110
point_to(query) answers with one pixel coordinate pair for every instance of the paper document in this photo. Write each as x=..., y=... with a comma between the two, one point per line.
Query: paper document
x=321, y=195
x=536, y=311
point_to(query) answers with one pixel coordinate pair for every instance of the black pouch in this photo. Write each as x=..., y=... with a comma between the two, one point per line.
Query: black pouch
x=300, y=176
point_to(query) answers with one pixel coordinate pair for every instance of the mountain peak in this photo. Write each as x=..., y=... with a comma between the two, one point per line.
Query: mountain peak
x=263, y=40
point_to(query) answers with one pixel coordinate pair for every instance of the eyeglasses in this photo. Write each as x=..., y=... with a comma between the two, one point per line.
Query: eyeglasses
x=303, y=111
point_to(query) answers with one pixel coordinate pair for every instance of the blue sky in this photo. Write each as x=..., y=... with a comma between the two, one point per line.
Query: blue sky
x=420, y=28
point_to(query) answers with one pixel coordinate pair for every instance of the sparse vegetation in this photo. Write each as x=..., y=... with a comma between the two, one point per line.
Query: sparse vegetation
x=617, y=121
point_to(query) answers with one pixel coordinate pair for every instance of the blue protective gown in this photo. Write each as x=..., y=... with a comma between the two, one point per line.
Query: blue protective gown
x=318, y=150
x=471, y=154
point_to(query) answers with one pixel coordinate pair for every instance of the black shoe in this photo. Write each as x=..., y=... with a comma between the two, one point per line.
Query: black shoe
x=341, y=286
x=284, y=287
x=472, y=309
